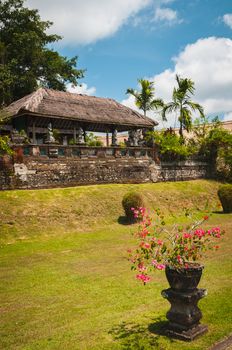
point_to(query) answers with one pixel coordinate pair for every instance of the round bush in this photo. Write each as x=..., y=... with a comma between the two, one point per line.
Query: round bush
x=131, y=200
x=225, y=196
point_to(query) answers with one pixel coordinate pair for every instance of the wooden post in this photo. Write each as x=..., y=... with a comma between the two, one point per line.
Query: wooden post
x=107, y=138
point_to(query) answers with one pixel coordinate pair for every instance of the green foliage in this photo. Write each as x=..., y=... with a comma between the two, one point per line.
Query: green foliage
x=122, y=144
x=218, y=146
x=225, y=196
x=4, y=140
x=57, y=135
x=131, y=200
x=170, y=146
x=4, y=146
x=71, y=142
x=92, y=140
x=144, y=99
x=182, y=104
x=201, y=127
x=26, y=62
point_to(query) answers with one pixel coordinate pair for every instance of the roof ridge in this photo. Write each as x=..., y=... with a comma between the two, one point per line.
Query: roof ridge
x=34, y=100
x=80, y=94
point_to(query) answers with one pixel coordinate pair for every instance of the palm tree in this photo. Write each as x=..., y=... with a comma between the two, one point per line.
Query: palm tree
x=144, y=99
x=182, y=103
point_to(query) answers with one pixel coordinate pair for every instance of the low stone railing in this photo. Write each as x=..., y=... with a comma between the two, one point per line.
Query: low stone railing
x=59, y=151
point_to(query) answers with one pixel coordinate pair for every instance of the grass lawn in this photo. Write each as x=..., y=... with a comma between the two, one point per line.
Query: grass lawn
x=65, y=279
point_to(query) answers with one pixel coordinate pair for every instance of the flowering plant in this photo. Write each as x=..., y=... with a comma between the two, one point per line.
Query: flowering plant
x=178, y=247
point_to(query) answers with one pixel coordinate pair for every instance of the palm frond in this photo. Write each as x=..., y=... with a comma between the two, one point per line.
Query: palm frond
x=144, y=99
x=186, y=119
x=168, y=108
x=196, y=107
x=157, y=103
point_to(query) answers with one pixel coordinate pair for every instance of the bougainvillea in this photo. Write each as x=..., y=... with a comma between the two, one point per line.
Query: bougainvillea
x=159, y=245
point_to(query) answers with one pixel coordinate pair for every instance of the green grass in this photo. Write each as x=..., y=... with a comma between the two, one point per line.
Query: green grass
x=65, y=279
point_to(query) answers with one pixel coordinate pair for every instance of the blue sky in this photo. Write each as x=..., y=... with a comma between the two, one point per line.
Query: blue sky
x=118, y=41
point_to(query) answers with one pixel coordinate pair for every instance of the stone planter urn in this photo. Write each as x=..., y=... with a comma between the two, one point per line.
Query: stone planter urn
x=184, y=315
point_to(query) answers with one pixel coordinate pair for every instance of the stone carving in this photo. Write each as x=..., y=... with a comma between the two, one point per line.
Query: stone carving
x=18, y=137
x=184, y=315
x=65, y=140
x=134, y=137
x=141, y=140
x=50, y=138
x=80, y=136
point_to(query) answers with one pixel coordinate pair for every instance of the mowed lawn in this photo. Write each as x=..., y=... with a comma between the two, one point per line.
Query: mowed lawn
x=65, y=279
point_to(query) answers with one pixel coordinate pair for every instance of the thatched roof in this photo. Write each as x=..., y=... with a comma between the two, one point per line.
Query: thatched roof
x=82, y=108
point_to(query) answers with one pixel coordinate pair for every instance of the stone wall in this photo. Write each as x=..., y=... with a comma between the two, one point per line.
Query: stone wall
x=180, y=171
x=60, y=172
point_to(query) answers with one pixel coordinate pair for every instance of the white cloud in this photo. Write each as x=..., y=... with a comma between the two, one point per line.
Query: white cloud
x=165, y=15
x=84, y=22
x=227, y=19
x=81, y=89
x=208, y=62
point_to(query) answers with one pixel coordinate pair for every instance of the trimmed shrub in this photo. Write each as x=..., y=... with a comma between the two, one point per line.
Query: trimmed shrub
x=225, y=196
x=131, y=200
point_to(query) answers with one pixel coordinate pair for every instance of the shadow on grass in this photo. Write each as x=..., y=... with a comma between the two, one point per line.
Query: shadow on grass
x=218, y=212
x=123, y=220
x=158, y=327
x=140, y=337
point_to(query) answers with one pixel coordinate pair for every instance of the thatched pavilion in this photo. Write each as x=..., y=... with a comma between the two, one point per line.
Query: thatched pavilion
x=72, y=115
x=42, y=160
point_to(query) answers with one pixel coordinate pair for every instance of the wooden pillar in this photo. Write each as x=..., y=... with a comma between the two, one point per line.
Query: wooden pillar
x=107, y=139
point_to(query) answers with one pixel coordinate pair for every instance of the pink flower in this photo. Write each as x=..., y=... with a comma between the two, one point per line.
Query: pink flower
x=144, y=233
x=180, y=261
x=141, y=267
x=147, y=245
x=183, y=243
x=199, y=232
x=157, y=265
x=216, y=230
x=144, y=278
x=160, y=266
x=187, y=235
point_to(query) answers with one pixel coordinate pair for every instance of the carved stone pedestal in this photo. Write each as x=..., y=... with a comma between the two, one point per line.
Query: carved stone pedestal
x=184, y=315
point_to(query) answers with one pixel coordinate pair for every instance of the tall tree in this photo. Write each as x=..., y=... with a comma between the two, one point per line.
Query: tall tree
x=182, y=103
x=26, y=61
x=144, y=99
